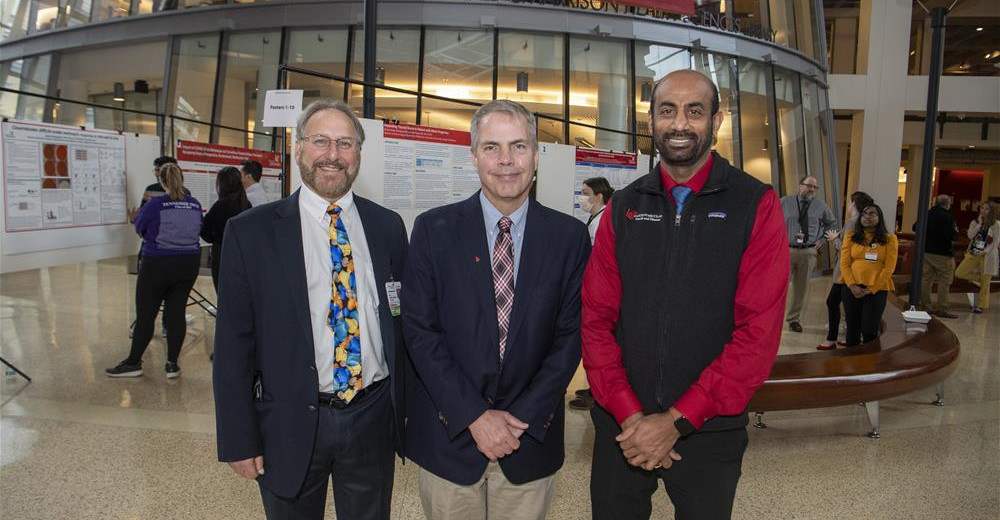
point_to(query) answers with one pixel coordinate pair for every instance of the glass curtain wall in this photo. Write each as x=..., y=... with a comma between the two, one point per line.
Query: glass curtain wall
x=598, y=91
x=109, y=9
x=721, y=69
x=756, y=118
x=321, y=50
x=195, y=64
x=458, y=64
x=27, y=75
x=14, y=16
x=90, y=75
x=397, y=65
x=792, y=139
x=250, y=69
x=652, y=62
x=530, y=71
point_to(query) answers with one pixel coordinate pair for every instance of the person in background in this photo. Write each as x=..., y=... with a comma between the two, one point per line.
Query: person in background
x=251, y=172
x=169, y=225
x=899, y=214
x=939, y=257
x=807, y=219
x=594, y=197
x=980, y=262
x=867, y=261
x=232, y=201
x=859, y=199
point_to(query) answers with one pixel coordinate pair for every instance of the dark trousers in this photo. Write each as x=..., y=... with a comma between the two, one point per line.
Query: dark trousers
x=864, y=315
x=701, y=486
x=216, y=262
x=167, y=280
x=833, y=300
x=354, y=447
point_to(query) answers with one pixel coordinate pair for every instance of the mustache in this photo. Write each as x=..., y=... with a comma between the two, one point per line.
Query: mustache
x=680, y=134
x=335, y=164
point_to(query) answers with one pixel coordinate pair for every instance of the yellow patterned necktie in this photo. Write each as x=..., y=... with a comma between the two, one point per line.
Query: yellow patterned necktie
x=343, y=316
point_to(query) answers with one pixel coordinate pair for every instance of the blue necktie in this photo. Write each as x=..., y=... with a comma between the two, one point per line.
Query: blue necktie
x=680, y=194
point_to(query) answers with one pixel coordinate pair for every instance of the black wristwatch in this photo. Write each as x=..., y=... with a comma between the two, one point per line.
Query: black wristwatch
x=684, y=426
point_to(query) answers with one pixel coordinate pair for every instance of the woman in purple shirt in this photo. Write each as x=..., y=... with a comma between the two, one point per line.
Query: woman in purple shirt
x=169, y=225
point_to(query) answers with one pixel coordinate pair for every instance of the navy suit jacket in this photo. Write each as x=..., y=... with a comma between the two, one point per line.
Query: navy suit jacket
x=263, y=333
x=450, y=322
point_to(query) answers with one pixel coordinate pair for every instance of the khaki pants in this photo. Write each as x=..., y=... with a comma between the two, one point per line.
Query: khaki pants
x=972, y=269
x=938, y=269
x=493, y=497
x=803, y=261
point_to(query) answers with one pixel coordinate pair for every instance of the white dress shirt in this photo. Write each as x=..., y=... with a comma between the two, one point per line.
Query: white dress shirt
x=319, y=277
x=518, y=219
x=256, y=194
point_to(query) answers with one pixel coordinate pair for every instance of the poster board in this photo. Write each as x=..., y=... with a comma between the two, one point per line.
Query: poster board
x=620, y=169
x=63, y=187
x=200, y=163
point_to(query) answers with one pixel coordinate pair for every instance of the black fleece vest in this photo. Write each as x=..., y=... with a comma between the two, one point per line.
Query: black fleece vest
x=679, y=275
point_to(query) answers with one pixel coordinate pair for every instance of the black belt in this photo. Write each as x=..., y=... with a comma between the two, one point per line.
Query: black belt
x=332, y=400
x=802, y=246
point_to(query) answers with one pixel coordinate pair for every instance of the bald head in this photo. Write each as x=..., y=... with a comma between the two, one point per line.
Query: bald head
x=687, y=78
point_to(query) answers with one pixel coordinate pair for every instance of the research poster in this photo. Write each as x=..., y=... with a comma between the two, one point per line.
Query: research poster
x=58, y=176
x=426, y=167
x=200, y=163
x=620, y=169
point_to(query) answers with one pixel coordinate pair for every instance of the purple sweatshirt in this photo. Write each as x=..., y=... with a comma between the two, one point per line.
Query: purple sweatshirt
x=170, y=227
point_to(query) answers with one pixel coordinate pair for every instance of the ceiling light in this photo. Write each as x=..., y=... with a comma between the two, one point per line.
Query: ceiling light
x=119, y=92
x=912, y=53
x=979, y=29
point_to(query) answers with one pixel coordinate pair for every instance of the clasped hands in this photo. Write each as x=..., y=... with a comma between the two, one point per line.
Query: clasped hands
x=497, y=433
x=858, y=291
x=647, y=441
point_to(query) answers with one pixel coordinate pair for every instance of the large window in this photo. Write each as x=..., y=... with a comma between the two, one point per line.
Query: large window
x=27, y=75
x=598, y=93
x=397, y=65
x=91, y=75
x=791, y=136
x=652, y=62
x=530, y=71
x=108, y=9
x=14, y=18
x=721, y=69
x=459, y=65
x=321, y=50
x=250, y=69
x=194, y=68
x=756, y=118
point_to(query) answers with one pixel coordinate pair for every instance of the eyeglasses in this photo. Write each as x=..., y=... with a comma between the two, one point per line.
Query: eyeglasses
x=322, y=142
x=813, y=186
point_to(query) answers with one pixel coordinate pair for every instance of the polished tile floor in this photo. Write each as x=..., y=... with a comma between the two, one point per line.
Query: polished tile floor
x=77, y=445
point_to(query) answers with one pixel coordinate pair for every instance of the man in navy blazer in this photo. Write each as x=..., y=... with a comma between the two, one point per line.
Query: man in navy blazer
x=485, y=416
x=279, y=418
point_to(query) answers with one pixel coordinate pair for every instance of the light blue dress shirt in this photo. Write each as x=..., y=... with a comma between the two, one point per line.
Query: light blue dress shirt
x=492, y=216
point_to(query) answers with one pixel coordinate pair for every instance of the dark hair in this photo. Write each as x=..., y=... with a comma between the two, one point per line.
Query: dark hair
x=881, y=233
x=601, y=187
x=228, y=184
x=861, y=199
x=253, y=168
x=715, y=89
x=163, y=159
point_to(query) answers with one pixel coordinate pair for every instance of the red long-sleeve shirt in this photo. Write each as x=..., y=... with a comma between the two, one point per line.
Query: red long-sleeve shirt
x=730, y=380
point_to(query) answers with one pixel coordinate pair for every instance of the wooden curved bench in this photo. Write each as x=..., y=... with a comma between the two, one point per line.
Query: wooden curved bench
x=905, y=358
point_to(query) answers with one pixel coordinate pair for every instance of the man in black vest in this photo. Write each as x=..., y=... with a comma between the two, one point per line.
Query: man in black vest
x=682, y=311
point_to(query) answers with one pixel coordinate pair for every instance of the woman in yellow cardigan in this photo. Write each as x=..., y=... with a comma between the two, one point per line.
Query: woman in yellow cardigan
x=867, y=260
